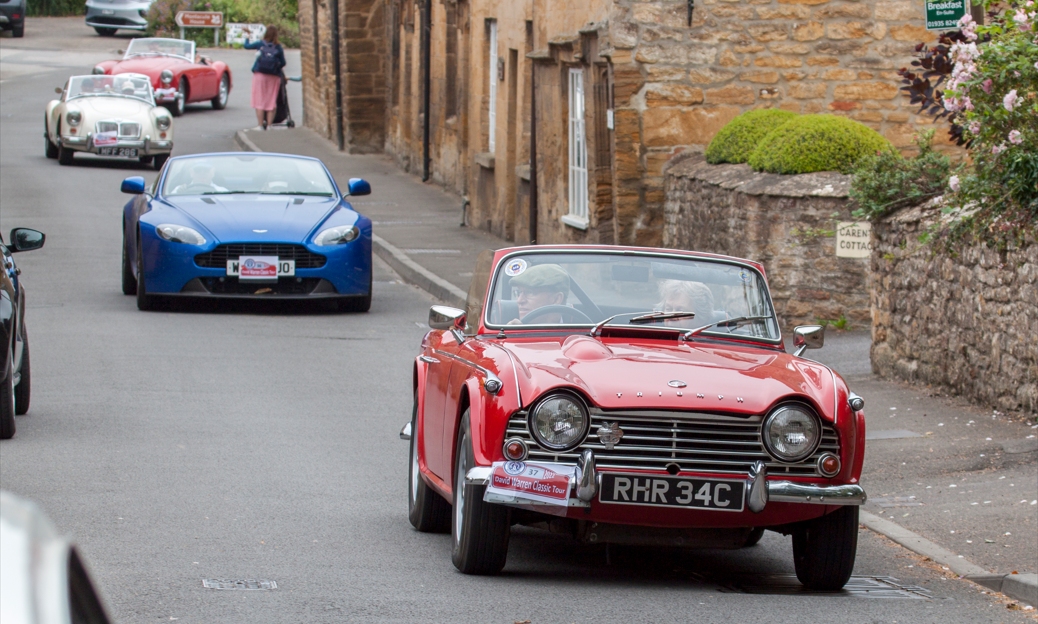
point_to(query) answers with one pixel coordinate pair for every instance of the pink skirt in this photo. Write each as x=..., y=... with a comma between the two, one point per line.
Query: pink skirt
x=265, y=91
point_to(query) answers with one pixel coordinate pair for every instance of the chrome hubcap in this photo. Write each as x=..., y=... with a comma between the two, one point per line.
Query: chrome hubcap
x=223, y=90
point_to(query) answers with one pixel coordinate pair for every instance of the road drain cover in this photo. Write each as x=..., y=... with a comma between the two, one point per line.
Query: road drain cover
x=238, y=584
x=857, y=586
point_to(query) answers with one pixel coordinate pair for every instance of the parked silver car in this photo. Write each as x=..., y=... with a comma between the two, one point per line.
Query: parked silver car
x=108, y=16
x=44, y=579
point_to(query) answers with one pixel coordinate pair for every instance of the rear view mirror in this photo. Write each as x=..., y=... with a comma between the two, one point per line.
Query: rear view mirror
x=25, y=239
x=451, y=319
x=808, y=337
x=358, y=186
x=133, y=185
x=57, y=89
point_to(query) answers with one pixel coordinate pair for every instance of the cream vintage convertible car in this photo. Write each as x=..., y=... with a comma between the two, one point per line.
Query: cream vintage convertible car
x=108, y=116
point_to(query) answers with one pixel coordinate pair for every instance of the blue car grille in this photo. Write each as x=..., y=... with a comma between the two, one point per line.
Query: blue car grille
x=694, y=441
x=284, y=286
x=217, y=258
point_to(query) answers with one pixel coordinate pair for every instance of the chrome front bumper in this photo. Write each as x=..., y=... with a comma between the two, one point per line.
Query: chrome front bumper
x=759, y=490
x=146, y=146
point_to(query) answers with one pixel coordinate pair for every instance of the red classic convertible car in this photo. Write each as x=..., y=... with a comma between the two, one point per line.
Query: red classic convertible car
x=177, y=75
x=630, y=395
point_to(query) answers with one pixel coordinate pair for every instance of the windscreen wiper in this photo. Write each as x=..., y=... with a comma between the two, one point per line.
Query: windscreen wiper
x=732, y=322
x=660, y=316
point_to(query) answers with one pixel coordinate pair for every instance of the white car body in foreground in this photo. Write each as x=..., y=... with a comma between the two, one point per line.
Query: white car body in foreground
x=108, y=116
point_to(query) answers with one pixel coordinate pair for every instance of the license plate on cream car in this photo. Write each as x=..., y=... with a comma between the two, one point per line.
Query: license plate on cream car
x=261, y=267
x=122, y=152
x=633, y=489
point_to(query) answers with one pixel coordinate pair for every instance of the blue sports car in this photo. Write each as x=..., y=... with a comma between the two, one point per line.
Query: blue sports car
x=246, y=225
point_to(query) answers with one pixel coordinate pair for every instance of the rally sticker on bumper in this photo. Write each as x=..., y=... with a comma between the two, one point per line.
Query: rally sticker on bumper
x=544, y=483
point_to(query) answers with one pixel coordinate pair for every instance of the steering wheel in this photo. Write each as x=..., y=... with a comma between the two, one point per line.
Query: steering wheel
x=574, y=314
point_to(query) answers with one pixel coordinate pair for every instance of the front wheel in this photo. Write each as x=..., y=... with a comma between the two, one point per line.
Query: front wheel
x=480, y=529
x=23, y=390
x=178, y=105
x=824, y=549
x=51, y=150
x=65, y=155
x=129, y=279
x=159, y=161
x=426, y=510
x=7, y=402
x=144, y=300
x=220, y=101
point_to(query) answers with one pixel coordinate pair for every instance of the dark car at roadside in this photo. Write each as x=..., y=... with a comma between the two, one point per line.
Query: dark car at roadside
x=12, y=16
x=14, y=338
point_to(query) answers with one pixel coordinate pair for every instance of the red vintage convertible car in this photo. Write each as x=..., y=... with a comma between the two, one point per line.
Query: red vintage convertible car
x=631, y=395
x=177, y=75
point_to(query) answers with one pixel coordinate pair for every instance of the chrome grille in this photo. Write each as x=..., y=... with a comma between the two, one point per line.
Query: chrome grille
x=107, y=126
x=129, y=130
x=697, y=442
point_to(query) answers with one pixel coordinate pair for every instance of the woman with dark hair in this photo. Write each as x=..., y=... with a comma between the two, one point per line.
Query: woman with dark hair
x=266, y=74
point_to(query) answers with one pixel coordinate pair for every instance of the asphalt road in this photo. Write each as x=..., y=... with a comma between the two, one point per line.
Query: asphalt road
x=259, y=442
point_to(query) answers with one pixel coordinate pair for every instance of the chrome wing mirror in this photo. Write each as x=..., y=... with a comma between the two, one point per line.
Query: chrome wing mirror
x=448, y=318
x=808, y=337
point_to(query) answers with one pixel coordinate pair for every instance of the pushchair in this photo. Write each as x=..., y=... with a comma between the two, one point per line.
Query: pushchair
x=282, y=114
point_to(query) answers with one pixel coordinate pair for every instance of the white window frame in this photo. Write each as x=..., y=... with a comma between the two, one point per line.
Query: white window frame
x=492, y=72
x=578, y=191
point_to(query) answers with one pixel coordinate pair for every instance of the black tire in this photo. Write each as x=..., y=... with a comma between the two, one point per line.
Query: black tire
x=105, y=32
x=824, y=549
x=51, y=150
x=177, y=107
x=159, y=161
x=145, y=301
x=145, y=160
x=7, y=404
x=220, y=101
x=426, y=510
x=479, y=530
x=65, y=155
x=18, y=31
x=129, y=279
x=23, y=390
x=754, y=537
x=290, y=123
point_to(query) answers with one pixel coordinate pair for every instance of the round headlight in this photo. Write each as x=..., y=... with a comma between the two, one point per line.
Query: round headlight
x=162, y=122
x=337, y=235
x=73, y=117
x=791, y=433
x=559, y=422
x=98, y=70
x=180, y=234
x=166, y=77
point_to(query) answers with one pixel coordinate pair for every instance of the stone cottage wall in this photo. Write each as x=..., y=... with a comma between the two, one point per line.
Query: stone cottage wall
x=787, y=223
x=965, y=321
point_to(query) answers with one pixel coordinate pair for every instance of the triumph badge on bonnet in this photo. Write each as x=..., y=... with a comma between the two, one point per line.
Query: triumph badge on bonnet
x=609, y=434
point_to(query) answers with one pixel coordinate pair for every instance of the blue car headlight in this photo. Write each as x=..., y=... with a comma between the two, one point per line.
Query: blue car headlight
x=179, y=234
x=337, y=235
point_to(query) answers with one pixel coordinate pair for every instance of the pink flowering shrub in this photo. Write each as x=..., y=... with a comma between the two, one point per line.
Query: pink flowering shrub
x=984, y=80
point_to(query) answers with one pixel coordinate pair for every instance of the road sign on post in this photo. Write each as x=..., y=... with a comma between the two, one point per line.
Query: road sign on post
x=944, y=14
x=201, y=19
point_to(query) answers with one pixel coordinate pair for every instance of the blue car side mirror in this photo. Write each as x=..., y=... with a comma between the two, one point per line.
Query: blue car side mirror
x=133, y=185
x=358, y=186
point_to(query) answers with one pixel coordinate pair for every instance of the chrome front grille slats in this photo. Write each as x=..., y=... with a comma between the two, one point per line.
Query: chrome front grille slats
x=694, y=441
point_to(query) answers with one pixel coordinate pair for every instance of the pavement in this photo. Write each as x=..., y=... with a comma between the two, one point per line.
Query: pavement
x=953, y=483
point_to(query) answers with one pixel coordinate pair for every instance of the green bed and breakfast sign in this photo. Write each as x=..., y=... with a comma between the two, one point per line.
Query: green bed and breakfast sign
x=944, y=14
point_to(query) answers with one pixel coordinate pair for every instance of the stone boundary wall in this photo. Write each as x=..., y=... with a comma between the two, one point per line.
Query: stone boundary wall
x=966, y=321
x=787, y=223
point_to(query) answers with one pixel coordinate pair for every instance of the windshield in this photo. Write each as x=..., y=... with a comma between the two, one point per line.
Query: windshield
x=247, y=173
x=134, y=86
x=632, y=289
x=161, y=47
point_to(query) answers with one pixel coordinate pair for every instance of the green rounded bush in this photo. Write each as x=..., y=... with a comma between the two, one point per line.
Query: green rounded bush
x=737, y=140
x=816, y=143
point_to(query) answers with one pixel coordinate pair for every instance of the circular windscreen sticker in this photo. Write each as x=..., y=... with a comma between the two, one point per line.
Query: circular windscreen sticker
x=745, y=276
x=515, y=267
